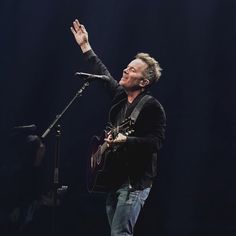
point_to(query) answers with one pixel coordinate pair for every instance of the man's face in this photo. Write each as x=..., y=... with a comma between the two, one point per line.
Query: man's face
x=133, y=75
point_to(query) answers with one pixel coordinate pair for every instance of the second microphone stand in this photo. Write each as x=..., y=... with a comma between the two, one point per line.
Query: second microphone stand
x=55, y=185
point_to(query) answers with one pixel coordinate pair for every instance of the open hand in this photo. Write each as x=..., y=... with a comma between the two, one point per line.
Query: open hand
x=81, y=35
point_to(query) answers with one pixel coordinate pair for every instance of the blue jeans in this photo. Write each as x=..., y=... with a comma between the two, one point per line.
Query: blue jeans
x=123, y=208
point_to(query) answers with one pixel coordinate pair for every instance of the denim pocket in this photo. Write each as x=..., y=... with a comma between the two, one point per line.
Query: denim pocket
x=131, y=197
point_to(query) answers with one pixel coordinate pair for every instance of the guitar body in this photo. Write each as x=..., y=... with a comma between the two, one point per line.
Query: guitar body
x=98, y=167
x=102, y=175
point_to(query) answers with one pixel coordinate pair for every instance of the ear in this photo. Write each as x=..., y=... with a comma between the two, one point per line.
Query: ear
x=144, y=82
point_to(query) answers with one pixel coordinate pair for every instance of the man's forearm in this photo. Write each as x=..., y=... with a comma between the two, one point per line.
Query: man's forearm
x=85, y=47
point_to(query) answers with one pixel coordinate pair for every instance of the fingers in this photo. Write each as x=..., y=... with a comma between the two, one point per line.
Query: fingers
x=109, y=138
x=72, y=30
x=77, y=27
x=83, y=29
x=119, y=139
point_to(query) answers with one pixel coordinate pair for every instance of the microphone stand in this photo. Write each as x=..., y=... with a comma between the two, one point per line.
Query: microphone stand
x=58, y=117
x=55, y=184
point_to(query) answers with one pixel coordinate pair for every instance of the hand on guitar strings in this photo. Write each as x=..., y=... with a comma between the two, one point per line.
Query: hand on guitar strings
x=120, y=138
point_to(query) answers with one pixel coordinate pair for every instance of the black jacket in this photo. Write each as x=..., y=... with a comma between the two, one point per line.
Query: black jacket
x=137, y=158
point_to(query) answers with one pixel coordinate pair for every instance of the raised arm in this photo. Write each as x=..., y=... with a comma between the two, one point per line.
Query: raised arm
x=95, y=64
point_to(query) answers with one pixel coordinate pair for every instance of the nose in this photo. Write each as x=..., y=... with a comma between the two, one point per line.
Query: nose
x=125, y=71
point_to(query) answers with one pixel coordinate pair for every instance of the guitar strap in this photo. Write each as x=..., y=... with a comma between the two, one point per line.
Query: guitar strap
x=135, y=113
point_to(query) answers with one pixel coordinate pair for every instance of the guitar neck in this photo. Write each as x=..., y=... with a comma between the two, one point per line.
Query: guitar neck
x=125, y=127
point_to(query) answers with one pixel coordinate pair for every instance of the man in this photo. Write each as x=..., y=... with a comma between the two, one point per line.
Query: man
x=136, y=159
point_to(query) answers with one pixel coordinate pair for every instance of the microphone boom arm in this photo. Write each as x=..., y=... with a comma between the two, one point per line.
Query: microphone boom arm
x=58, y=117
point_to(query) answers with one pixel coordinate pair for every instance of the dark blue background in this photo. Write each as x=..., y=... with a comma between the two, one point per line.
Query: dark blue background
x=194, y=42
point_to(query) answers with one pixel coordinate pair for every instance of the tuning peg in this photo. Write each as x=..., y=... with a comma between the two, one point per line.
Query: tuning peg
x=129, y=132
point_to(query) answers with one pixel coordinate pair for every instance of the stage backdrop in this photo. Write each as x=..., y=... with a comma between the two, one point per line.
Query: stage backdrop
x=194, y=42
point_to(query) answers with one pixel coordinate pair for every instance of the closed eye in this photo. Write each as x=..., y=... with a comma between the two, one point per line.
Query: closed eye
x=132, y=69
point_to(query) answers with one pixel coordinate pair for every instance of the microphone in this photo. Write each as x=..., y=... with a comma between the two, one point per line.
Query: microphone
x=25, y=127
x=87, y=76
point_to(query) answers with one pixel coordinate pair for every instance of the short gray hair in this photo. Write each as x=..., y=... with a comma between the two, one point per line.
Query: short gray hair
x=153, y=71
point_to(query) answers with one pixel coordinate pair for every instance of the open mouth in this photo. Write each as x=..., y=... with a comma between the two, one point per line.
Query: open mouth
x=124, y=78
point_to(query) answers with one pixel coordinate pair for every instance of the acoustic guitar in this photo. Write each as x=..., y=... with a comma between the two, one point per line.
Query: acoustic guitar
x=100, y=158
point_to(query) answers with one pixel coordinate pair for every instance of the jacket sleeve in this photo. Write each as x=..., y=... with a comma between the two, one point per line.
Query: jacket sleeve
x=149, y=128
x=97, y=67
